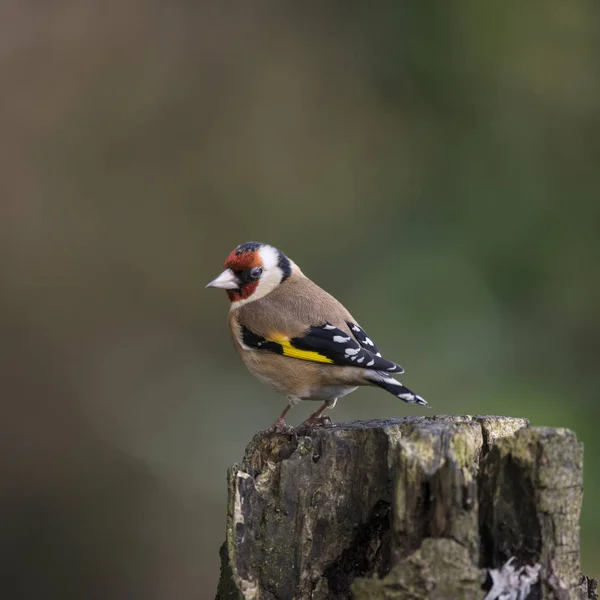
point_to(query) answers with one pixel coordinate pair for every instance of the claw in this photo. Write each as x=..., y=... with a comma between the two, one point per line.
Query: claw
x=280, y=426
x=315, y=421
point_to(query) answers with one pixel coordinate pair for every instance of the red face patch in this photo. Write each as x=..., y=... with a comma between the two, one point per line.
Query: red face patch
x=243, y=261
x=239, y=262
x=244, y=292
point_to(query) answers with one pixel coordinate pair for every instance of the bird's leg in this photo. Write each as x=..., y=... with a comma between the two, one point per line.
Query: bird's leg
x=316, y=418
x=280, y=425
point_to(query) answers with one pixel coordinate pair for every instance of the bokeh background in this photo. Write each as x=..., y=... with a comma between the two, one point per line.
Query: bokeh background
x=434, y=165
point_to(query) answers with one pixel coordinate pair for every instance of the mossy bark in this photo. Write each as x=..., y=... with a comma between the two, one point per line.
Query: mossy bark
x=402, y=509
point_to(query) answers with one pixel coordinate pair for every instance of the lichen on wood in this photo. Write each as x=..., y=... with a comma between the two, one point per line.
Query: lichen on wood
x=405, y=509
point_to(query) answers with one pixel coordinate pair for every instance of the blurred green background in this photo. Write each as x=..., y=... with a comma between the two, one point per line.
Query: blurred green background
x=434, y=165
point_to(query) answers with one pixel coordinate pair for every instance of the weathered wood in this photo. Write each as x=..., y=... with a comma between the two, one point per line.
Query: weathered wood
x=403, y=509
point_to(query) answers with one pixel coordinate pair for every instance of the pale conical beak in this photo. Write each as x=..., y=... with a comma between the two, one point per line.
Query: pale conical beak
x=226, y=281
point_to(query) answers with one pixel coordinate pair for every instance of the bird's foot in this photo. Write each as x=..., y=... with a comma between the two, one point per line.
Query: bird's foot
x=315, y=421
x=280, y=426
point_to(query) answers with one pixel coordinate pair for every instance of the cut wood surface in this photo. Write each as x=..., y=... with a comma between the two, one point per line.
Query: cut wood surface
x=404, y=508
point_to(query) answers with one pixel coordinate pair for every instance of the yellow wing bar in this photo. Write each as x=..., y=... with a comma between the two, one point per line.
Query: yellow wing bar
x=289, y=350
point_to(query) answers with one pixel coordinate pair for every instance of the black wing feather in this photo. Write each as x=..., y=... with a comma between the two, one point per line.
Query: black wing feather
x=366, y=342
x=363, y=339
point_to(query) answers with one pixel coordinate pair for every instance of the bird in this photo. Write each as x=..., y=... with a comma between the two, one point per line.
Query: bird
x=297, y=338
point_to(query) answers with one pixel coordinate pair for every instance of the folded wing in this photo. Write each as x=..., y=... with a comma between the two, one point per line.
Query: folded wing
x=325, y=344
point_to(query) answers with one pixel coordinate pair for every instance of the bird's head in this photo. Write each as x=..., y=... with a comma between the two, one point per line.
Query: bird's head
x=252, y=270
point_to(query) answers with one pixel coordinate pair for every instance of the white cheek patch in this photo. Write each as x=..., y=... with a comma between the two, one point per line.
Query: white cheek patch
x=268, y=281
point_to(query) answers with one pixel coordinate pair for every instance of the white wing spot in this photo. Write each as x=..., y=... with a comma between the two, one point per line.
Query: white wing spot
x=352, y=351
x=409, y=397
x=368, y=341
x=392, y=368
x=378, y=354
x=371, y=362
x=340, y=339
x=359, y=360
x=356, y=328
x=391, y=381
x=328, y=326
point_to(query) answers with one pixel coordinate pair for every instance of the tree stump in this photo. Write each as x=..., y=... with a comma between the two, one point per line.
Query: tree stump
x=408, y=508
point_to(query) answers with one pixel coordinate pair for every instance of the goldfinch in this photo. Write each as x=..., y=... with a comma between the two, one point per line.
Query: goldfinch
x=297, y=338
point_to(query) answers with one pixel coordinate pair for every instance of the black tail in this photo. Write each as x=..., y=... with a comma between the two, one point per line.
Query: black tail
x=389, y=384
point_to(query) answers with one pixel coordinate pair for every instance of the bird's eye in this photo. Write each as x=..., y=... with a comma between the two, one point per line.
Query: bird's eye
x=256, y=272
